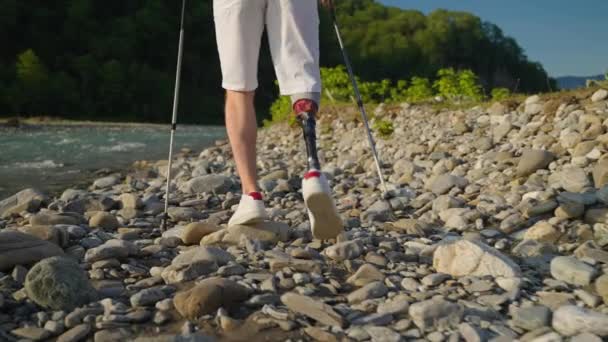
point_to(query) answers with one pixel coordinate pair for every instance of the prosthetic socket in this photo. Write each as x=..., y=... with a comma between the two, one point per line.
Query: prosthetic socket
x=305, y=113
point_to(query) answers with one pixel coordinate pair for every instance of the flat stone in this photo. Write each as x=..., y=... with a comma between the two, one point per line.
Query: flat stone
x=312, y=308
x=533, y=317
x=320, y=335
x=31, y=333
x=195, y=262
x=471, y=333
x=591, y=250
x=148, y=297
x=17, y=248
x=217, y=184
x=599, y=95
x=266, y=231
x=52, y=218
x=366, y=274
x=24, y=200
x=601, y=286
x=395, y=306
x=443, y=183
x=208, y=296
x=600, y=173
x=463, y=257
x=598, y=215
x=105, y=182
x=52, y=234
x=347, y=250
x=570, y=320
x=132, y=201
x=372, y=290
x=574, y=179
x=195, y=231
x=572, y=271
x=111, y=249
x=532, y=160
x=104, y=220
x=542, y=231
x=382, y=334
x=436, y=314
x=75, y=334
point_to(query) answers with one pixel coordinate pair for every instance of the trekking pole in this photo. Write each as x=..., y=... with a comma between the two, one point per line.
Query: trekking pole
x=353, y=80
x=178, y=73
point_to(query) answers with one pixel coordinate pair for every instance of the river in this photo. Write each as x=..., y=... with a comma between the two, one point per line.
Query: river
x=54, y=157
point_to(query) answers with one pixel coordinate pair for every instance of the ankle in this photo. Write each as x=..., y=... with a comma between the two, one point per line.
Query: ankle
x=256, y=195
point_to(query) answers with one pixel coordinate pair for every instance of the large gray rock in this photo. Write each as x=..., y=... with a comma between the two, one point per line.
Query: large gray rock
x=25, y=200
x=194, y=263
x=208, y=296
x=218, y=184
x=59, y=283
x=532, y=160
x=473, y=258
x=572, y=270
x=571, y=320
x=312, y=308
x=436, y=314
x=17, y=248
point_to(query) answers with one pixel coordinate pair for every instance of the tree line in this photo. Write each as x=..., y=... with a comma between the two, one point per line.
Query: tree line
x=115, y=60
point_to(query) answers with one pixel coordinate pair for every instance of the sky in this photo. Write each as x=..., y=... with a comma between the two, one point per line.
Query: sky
x=569, y=38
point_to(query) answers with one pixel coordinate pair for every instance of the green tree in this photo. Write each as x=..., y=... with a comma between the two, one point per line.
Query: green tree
x=32, y=82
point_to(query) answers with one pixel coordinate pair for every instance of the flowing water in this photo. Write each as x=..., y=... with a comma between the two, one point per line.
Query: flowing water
x=54, y=157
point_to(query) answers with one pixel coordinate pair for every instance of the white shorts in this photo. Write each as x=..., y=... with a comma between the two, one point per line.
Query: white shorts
x=293, y=34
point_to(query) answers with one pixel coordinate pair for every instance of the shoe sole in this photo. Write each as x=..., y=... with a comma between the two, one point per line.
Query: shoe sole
x=328, y=224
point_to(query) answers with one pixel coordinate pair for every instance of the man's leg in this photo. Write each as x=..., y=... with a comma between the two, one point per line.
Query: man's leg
x=239, y=25
x=242, y=132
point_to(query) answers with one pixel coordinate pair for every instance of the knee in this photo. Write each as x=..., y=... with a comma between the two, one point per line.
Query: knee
x=237, y=97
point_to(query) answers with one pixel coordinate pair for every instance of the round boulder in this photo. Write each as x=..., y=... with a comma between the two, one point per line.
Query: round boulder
x=58, y=283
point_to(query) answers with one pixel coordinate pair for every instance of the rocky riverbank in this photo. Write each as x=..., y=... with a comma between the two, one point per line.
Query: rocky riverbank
x=498, y=232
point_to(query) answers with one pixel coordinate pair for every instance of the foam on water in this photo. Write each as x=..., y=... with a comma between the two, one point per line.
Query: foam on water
x=123, y=147
x=44, y=164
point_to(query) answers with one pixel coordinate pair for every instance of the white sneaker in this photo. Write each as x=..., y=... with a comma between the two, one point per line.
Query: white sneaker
x=250, y=210
x=325, y=222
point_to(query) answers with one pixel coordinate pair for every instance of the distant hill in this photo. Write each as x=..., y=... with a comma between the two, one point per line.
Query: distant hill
x=573, y=82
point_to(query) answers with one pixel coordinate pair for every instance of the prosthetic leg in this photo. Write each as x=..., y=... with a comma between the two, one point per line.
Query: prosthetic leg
x=305, y=113
x=325, y=223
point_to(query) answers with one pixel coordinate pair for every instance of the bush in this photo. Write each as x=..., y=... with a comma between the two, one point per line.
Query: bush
x=280, y=111
x=447, y=84
x=499, y=94
x=468, y=85
x=420, y=90
x=336, y=84
x=458, y=85
x=383, y=127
